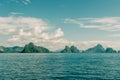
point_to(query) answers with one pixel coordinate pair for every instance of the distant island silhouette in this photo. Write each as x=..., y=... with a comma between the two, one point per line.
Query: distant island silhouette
x=32, y=48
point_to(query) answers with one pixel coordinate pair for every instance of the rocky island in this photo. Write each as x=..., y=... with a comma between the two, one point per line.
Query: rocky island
x=32, y=48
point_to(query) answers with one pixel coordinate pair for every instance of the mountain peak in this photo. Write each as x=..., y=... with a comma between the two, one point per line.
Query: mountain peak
x=31, y=48
x=31, y=44
x=71, y=49
x=98, y=45
x=97, y=49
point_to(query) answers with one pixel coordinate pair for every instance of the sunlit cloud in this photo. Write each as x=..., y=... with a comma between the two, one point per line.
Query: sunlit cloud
x=22, y=30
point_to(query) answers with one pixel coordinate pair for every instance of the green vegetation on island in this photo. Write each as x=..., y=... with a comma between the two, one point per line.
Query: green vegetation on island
x=96, y=49
x=71, y=49
x=110, y=50
x=32, y=48
x=15, y=49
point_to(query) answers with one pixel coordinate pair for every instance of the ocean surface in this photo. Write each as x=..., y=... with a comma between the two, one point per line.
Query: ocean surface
x=59, y=66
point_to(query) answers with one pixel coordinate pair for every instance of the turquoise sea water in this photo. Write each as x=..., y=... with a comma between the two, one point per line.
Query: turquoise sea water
x=59, y=66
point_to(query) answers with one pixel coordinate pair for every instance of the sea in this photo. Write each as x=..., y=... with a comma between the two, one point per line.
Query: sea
x=59, y=66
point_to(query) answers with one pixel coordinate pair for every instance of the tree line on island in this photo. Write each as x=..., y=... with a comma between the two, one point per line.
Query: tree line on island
x=31, y=48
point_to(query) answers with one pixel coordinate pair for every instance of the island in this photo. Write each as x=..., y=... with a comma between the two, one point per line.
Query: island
x=32, y=48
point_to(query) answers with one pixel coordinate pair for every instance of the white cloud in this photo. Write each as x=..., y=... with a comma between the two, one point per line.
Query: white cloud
x=15, y=13
x=26, y=2
x=18, y=2
x=83, y=45
x=109, y=24
x=58, y=33
x=22, y=30
x=115, y=35
x=12, y=24
x=106, y=24
x=113, y=44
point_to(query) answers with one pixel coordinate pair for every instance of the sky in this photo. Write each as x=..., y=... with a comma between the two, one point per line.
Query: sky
x=56, y=23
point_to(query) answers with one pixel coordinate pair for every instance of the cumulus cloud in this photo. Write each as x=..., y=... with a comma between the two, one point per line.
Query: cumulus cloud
x=22, y=30
x=10, y=25
x=106, y=24
x=109, y=24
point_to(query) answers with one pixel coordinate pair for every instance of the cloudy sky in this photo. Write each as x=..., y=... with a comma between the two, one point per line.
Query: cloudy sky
x=56, y=23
